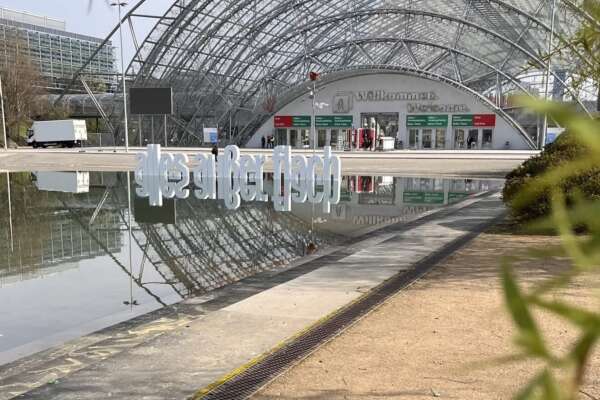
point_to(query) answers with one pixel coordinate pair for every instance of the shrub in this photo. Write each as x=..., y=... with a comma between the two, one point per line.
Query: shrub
x=565, y=149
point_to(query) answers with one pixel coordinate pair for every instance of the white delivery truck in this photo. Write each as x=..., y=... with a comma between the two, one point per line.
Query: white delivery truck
x=67, y=182
x=65, y=133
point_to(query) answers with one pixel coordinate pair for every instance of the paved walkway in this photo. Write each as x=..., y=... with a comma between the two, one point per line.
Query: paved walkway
x=439, y=337
x=406, y=163
x=247, y=320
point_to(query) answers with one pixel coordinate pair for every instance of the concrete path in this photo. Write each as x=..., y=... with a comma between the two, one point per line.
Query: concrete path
x=407, y=163
x=177, y=363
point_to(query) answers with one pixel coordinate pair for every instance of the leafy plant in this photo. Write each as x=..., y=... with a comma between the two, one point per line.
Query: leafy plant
x=561, y=375
x=565, y=149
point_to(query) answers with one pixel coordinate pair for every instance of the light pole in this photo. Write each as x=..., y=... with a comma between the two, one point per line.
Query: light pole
x=547, y=75
x=313, y=76
x=120, y=4
x=3, y=118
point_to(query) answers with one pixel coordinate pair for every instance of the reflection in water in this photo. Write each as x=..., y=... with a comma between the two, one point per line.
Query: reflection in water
x=73, y=253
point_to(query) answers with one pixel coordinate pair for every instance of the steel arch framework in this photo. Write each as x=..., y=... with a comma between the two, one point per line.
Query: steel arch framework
x=225, y=58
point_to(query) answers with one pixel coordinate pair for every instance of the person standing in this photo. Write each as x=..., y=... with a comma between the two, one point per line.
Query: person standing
x=262, y=141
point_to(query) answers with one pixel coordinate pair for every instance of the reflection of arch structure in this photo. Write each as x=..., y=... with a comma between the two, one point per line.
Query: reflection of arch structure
x=227, y=59
x=210, y=247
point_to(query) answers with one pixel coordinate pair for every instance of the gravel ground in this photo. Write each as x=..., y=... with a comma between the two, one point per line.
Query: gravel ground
x=436, y=339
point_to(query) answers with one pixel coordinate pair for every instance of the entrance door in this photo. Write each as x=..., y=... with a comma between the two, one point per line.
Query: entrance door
x=473, y=139
x=281, y=137
x=459, y=139
x=486, y=139
x=440, y=138
x=322, y=137
x=427, y=141
x=294, y=138
x=413, y=138
x=304, y=138
x=333, y=142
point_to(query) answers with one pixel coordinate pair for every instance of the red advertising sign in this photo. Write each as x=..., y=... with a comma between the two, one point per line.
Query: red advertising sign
x=484, y=120
x=289, y=121
x=283, y=121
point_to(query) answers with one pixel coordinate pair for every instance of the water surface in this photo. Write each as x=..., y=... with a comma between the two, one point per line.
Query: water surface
x=65, y=241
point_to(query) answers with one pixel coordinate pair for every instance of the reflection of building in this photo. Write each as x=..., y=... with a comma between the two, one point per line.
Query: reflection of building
x=373, y=200
x=57, y=53
x=54, y=243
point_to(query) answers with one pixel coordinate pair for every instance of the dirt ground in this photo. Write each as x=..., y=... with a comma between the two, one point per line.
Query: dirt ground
x=433, y=339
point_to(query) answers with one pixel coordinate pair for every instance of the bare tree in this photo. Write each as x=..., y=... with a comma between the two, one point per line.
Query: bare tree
x=22, y=84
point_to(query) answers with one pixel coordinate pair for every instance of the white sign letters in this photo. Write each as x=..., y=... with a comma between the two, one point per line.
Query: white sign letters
x=234, y=177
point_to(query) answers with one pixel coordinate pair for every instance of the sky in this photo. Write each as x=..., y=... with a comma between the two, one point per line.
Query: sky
x=98, y=22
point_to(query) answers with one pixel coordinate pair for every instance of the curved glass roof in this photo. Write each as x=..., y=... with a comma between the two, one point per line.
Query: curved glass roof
x=235, y=60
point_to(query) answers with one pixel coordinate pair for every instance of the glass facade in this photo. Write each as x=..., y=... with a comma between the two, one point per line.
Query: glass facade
x=58, y=54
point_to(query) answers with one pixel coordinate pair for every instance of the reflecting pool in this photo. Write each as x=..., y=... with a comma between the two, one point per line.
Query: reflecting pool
x=80, y=251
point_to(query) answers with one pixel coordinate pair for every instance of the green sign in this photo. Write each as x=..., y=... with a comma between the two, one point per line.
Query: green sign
x=455, y=197
x=462, y=120
x=413, y=197
x=301, y=121
x=333, y=121
x=423, y=197
x=432, y=121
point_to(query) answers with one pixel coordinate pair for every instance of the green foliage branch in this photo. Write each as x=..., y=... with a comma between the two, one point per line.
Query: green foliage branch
x=561, y=375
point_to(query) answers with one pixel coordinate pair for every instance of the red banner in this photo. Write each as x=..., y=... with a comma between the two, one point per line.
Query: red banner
x=283, y=121
x=484, y=120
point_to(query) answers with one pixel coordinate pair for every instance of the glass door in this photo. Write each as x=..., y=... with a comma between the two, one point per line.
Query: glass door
x=322, y=137
x=440, y=138
x=304, y=138
x=281, y=137
x=427, y=139
x=472, y=139
x=333, y=140
x=294, y=138
x=486, y=140
x=459, y=139
x=413, y=138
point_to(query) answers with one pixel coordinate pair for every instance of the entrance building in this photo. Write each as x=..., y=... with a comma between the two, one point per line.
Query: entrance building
x=400, y=111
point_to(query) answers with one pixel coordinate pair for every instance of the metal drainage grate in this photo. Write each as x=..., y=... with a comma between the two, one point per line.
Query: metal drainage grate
x=258, y=375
